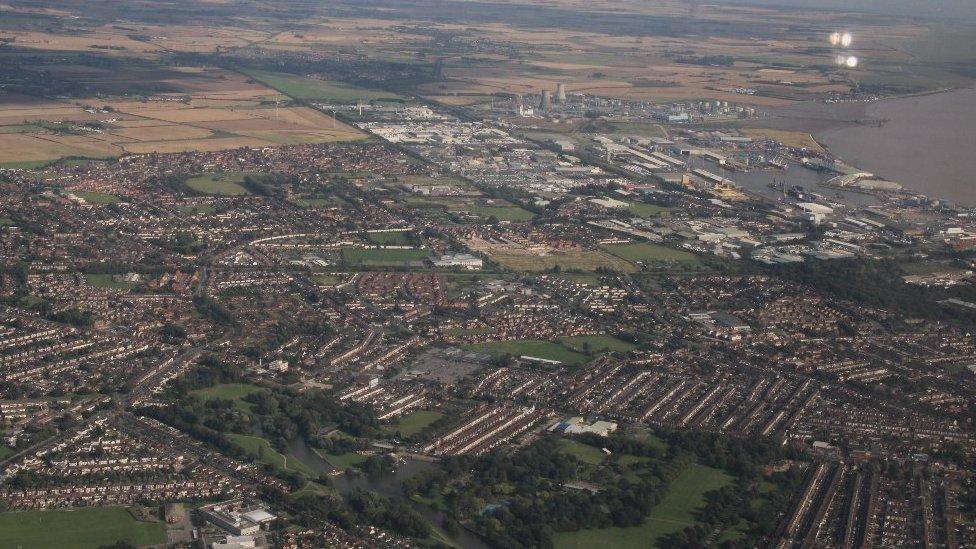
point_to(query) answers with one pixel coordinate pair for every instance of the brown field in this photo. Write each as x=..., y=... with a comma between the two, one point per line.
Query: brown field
x=208, y=102
x=786, y=137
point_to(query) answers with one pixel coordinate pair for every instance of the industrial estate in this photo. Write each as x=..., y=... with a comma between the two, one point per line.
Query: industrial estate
x=472, y=275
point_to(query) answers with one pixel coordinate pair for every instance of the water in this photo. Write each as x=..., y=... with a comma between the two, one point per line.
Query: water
x=927, y=143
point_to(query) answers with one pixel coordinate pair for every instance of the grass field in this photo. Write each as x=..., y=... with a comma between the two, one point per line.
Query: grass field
x=318, y=90
x=583, y=452
x=225, y=184
x=342, y=461
x=502, y=213
x=382, y=257
x=415, y=422
x=5, y=452
x=76, y=529
x=649, y=253
x=675, y=512
x=262, y=450
x=598, y=343
x=534, y=348
x=643, y=209
x=106, y=281
x=7, y=222
x=97, y=198
x=232, y=391
x=396, y=238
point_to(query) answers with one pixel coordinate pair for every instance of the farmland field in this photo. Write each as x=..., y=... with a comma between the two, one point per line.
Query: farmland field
x=76, y=529
x=318, y=90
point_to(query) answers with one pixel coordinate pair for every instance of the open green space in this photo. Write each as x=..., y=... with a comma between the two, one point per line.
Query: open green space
x=643, y=209
x=7, y=222
x=583, y=452
x=25, y=165
x=533, y=348
x=325, y=279
x=107, y=281
x=675, y=512
x=231, y=391
x=342, y=461
x=262, y=450
x=598, y=343
x=648, y=253
x=5, y=452
x=319, y=90
x=392, y=238
x=193, y=209
x=97, y=198
x=77, y=529
x=502, y=213
x=380, y=257
x=415, y=422
x=224, y=184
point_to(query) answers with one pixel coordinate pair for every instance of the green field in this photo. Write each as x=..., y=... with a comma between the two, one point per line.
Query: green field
x=106, y=281
x=232, y=391
x=224, y=184
x=25, y=165
x=534, y=348
x=5, y=452
x=97, y=198
x=379, y=257
x=415, y=422
x=325, y=279
x=583, y=452
x=648, y=253
x=393, y=238
x=7, y=222
x=342, y=461
x=502, y=213
x=598, y=343
x=319, y=90
x=675, y=512
x=643, y=209
x=76, y=529
x=262, y=450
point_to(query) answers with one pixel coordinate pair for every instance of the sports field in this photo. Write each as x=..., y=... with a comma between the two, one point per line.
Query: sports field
x=583, y=452
x=502, y=213
x=648, y=253
x=97, y=198
x=381, y=257
x=226, y=184
x=415, y=422
x=675, y=512
x=76, y=529
x=534, y=348
x=598, y=343
x=643, y=209
x=106, y=281
x=232, y=391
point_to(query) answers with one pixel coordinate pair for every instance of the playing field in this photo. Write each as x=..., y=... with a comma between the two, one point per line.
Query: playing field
x=598, y=343
x=381, y=257
x=226, y=184
x=232, y=391
x=96, y=198
x=415, y=422
x=643, y=209
x=583, y=452
x=675, y=512
x=106, y=281
x=76, y=529
x=533, y=348
x=647, y=253
x=502, y=213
